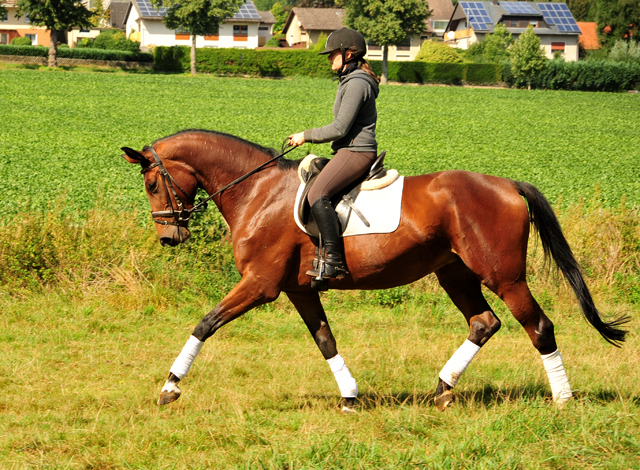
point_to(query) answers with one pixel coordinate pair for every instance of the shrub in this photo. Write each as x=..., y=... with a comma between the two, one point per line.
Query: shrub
x=448, y=73
x=432, y=51
x=88, y=54
x=321, y=44
x=588, y=75
x=262, y=63
x=110, y=39
x=21, y=41
x=625, y=51
x=274, y=41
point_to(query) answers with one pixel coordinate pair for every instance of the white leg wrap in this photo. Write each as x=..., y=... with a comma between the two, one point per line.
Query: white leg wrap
x=560, y=388
x=181, y=367
x=346, y=383
x=455, y=366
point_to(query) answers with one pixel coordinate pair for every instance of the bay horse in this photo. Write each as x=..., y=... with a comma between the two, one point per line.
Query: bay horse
x=469, y=229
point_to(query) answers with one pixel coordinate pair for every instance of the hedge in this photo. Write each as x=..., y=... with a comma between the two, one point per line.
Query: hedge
x=263, y=63
x=448, y=73
x=284, y=63
x=583, y=75
x=89, y=54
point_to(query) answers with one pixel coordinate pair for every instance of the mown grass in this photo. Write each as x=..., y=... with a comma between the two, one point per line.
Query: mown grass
x=80, y=379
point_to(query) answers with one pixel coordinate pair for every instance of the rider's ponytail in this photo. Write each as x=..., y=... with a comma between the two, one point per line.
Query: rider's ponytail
x=364, y=65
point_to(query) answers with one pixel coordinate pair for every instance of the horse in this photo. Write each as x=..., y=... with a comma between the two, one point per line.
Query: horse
x=469, y=229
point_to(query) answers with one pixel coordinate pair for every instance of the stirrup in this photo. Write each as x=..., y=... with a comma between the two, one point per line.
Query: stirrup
x=323, y=270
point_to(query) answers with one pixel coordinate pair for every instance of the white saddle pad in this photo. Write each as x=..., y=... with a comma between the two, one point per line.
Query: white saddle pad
x=380, y=207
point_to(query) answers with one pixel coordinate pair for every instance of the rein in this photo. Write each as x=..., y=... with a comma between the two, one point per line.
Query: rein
x=183, y=215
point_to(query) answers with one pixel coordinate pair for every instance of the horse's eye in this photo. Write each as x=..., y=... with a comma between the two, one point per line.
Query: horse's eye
x=152, y=187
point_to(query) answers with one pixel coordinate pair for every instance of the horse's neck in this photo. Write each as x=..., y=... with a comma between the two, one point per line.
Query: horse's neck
x=218, y=165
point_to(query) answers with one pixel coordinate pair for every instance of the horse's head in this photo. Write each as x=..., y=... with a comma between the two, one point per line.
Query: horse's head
x=171, y=187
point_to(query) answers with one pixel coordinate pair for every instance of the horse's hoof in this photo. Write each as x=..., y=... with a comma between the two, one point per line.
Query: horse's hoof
x=347, y=410
x=444, y=400
x=168, y=397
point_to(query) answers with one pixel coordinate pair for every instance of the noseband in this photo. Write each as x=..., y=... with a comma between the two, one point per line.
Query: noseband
x=182, y=216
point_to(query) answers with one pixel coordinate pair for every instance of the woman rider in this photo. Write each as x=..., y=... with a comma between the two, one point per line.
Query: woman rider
x=352, y=136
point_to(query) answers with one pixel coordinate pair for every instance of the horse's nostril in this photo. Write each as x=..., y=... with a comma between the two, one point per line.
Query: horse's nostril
x=167, y=241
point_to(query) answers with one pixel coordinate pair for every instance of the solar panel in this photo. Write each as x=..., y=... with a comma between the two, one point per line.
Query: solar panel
x=559, y=14
x=248, y=11
x=519, y=8
x=477, y=15
x=147, y=10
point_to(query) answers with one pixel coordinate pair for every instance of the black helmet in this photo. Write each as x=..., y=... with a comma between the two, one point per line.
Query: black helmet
x=345, y=38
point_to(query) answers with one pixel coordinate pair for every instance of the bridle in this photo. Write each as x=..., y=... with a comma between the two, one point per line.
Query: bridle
x=182, y=215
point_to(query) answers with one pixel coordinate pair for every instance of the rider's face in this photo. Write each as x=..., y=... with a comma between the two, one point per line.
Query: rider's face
x=335, y=58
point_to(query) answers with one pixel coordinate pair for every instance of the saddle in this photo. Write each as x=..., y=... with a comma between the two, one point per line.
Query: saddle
x=344, y=202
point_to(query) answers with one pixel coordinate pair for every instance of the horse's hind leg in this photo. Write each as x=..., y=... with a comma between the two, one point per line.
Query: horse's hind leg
x=540, y=329
x=464, y=288
x=310, y=308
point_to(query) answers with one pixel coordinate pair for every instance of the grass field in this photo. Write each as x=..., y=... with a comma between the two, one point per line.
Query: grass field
x=94, y=313
x=63, y=131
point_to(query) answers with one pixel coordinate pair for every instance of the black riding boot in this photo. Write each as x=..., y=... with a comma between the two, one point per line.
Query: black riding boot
x=327, y=221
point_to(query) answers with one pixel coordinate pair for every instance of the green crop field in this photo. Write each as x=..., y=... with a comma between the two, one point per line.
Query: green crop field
x=94, y=311
x=62, y=131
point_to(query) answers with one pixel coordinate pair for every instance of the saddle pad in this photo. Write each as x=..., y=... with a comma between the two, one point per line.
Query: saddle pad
x=380, y=207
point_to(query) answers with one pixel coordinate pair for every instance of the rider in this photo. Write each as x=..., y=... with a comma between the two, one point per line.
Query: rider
x=352, y=136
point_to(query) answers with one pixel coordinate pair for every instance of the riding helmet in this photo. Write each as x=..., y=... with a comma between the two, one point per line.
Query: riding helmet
x=345, y=38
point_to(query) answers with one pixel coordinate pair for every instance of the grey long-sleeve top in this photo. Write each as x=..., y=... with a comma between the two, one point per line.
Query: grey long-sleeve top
x=355, y=116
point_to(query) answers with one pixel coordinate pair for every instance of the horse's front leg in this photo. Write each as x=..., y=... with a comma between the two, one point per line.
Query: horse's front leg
x=247, y=294
x=310, y=309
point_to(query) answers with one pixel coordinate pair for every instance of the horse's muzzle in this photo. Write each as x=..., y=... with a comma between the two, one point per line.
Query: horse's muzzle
x=173, y=236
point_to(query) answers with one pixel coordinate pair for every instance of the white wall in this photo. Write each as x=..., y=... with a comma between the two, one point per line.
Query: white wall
x=155, y=33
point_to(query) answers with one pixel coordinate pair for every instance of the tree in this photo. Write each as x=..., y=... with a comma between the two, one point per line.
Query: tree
x=387, y=22
x=617, y=19
x=198, y=17
x=280, y=15
x=496, y=45
x=527, y=58
x=57, y=16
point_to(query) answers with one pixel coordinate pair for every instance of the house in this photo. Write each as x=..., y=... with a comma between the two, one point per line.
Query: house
x=12, y=27
x=553, y=23
x=145, y=22
x=589, y=38
x=439, y=19
x=305, y=25
x=265, y=27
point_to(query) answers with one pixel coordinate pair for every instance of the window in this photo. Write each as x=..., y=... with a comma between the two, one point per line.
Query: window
x=263, y=28
x=439, y=25
x=33, y=37
x=182, y=35
x=4, y=38
x=26, y=18
x=240, y=32
x=404, y=45
x=557, y=47
x=372, y=46
x=4, y=17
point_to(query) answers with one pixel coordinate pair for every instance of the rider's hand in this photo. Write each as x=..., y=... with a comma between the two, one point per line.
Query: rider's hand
x=296, y=140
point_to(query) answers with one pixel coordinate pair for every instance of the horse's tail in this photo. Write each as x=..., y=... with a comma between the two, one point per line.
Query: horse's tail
x=555, y=246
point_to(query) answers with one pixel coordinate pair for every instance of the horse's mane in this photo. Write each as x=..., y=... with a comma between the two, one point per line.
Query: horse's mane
x=283, y=163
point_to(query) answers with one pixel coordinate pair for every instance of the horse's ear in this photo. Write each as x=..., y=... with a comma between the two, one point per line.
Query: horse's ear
x=133, y=156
